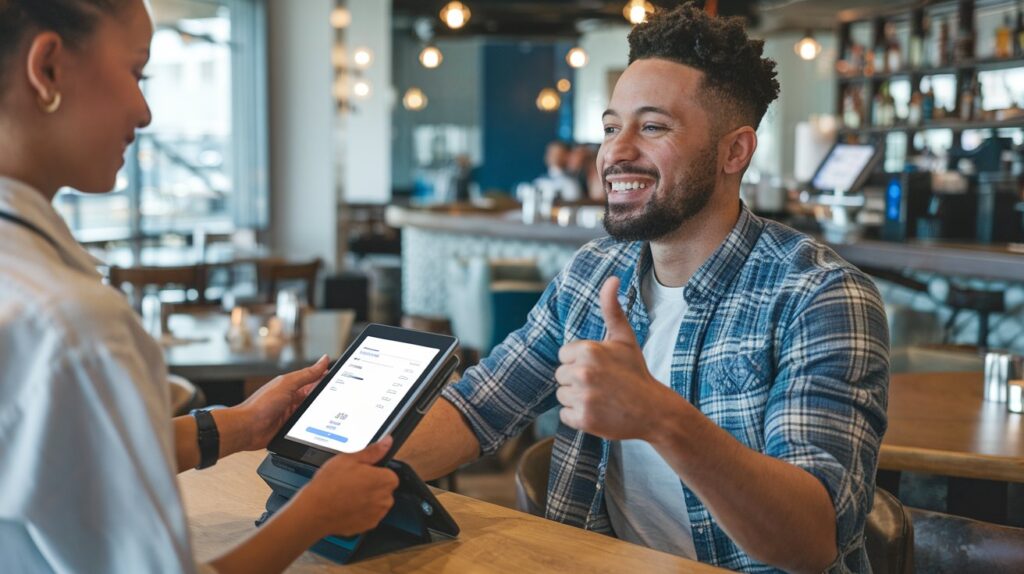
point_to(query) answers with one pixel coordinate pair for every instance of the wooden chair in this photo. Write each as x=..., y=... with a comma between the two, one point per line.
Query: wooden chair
x=187, y=277
x=272, y=272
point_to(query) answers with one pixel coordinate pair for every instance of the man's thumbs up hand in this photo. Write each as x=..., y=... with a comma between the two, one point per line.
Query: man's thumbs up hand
x=604, y=386
x=619, y=329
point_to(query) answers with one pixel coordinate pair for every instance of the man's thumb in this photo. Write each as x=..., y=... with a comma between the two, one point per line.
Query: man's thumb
x=615, y=319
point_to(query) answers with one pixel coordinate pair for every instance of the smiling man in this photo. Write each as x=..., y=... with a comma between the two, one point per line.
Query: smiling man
x=722, y=378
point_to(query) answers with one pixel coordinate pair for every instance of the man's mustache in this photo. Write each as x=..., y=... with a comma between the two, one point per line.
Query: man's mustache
x=627, y=169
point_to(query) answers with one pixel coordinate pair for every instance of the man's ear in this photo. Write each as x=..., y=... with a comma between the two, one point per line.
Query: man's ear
x=44, y=61
x=737, y=147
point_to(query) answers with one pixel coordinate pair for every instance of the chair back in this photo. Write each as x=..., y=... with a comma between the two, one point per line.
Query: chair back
x=947, y=543
x=272, y=272
x=532, y=478
x=889, y=536
x=186, y=277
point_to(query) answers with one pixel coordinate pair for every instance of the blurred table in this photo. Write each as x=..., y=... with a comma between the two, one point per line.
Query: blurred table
x=203, y=355
x=940, y=424
x=215, y=254
x=223, y=501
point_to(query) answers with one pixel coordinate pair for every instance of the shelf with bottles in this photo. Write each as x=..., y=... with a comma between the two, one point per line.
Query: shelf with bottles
x=984, y=65
x=944, y=34
x=943, y=124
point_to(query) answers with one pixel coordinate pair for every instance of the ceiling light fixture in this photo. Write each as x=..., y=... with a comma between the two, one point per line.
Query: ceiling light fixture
x=431, y=57
x=807, y=48
x=414, y=99
x=455, y=14
x=577, y=57
x=637, y=11
x=564, y=85
x=362, y=57
x=341, y=18
x=548, y=100
x=361, y=89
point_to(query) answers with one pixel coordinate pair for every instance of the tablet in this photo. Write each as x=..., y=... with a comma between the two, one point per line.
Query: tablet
x=368, y=394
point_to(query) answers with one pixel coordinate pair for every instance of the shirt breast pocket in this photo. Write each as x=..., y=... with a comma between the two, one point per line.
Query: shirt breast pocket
x=743, y=371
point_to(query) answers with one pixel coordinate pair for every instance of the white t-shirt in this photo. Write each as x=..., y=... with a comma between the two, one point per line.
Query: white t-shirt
x=87, y=464
x=644, y=495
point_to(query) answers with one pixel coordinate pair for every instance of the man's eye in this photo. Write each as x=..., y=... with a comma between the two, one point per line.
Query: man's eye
x=608, y=130
x=653, y=128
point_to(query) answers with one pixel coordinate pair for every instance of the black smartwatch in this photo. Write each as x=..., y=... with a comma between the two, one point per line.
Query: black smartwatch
x=209, y=438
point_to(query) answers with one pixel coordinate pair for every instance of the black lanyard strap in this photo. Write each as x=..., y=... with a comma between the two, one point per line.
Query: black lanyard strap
x=29, y=226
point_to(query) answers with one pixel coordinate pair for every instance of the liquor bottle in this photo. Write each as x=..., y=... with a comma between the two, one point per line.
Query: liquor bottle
x=942, y=46
x=878, y=109
x=965, y=40
x=879, y=56
x=851, y=108
x=914, y=110
x=927, y=101
x=966, y=100
x=1018, y=35
x=893, y=55
x=890, y=108
x=1004, y=39
x=978, y=110
x=917, y=43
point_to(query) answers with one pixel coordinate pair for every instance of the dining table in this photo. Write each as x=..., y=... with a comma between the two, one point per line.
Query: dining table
x=196, y=347
x=223, y=502
x=940, y=424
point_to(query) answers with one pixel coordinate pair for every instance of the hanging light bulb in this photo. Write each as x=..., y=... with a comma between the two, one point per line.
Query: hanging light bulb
x=414, y=99
x=362, y=57
x=361, y=89
x=455, y=14
x=431, y=57
x=548, y=100
x=341, y=17
x=637, y=11
x=577, y=57
x=564, y=85
x=807, y=48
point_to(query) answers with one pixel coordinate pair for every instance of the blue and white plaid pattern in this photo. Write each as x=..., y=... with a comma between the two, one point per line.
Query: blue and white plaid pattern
x=788, y=346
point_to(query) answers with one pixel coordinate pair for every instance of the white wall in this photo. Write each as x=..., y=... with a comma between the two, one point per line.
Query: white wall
x=367, y=130
x=608, y=51
x=807, y=88
x=303, y=185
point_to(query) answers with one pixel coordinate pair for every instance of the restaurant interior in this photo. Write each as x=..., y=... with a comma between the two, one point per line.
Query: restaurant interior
x=317, y=166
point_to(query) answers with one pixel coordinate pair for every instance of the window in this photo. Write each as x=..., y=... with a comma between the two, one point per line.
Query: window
x=202, y=162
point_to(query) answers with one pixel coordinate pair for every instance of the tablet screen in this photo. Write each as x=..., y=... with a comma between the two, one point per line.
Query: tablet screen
x=362, y=395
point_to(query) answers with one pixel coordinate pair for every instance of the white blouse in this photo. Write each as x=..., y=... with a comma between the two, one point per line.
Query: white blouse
x=87, y=464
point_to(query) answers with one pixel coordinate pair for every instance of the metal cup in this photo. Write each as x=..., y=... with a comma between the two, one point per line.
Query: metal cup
x=1000, y=368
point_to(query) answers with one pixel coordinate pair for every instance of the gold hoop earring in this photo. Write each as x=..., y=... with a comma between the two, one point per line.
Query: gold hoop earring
x=53, y=105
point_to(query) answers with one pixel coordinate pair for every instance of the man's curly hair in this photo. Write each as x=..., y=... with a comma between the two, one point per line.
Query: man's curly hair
x=734, y=70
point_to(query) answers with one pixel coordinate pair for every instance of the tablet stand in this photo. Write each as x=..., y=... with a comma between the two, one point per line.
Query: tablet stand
x=416, y=517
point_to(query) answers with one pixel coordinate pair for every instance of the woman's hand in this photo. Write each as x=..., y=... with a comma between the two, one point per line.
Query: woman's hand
x=251, y=425
x=349, y=495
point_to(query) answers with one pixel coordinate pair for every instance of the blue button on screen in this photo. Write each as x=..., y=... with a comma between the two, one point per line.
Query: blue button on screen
x=325, y=434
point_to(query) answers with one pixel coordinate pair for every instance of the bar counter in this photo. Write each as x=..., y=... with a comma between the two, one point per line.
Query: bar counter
x=995, y=262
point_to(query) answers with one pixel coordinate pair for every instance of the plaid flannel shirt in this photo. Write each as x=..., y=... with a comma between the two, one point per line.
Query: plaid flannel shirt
x=784, y=345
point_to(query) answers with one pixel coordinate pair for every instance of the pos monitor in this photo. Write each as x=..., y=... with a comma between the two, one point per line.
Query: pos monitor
x=845, y=168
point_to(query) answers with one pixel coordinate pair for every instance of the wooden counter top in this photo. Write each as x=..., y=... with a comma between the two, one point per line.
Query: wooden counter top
x=939, y=424
x=223, y=501
x=1000, y=262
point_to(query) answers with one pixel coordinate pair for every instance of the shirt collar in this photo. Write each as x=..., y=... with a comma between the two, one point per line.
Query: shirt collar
x=714, y=276
x=24, y=201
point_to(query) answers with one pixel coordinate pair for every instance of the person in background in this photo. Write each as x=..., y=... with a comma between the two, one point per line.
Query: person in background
x=88, y=454
x=558, y=183
x=582, y=165
x=722, y=378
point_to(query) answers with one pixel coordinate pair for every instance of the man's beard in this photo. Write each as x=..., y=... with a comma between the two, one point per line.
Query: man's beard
x=665, y=212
